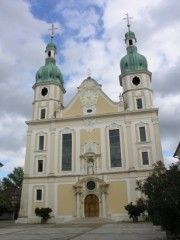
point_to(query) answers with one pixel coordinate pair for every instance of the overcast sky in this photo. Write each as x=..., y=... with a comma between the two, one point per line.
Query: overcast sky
x=90, y=34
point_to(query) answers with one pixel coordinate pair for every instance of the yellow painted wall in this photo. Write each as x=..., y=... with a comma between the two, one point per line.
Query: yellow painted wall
x=74, y=109
x=38, y=204
x=93, y=136
x=104, y=106
x=117, y=197
x=66, y=204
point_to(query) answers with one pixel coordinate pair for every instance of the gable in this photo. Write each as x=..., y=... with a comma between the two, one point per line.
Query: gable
x=90, y=99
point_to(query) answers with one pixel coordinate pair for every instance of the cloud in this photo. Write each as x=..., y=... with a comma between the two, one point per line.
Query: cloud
x=22, y=51
x=91, y=36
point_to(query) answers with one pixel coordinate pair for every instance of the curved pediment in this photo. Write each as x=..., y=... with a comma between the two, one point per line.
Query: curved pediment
x=83, y=181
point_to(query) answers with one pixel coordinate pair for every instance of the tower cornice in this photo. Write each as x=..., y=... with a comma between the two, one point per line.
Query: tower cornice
x=122, y=75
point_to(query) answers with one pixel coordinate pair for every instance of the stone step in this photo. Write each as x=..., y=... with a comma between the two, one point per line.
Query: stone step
x=89, y=220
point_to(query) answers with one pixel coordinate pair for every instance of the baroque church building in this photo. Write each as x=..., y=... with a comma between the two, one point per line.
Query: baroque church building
x=83, y=160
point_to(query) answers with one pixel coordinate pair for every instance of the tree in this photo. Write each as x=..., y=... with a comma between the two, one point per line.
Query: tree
x=11, y=191
x=14, y=179
x=162, y=190
x=5, y=206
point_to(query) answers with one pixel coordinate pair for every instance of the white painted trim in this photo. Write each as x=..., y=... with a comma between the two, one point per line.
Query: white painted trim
x=77, y=145
x=103, y=148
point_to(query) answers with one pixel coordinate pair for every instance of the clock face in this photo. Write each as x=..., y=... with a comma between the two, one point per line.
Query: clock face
x=89, y=97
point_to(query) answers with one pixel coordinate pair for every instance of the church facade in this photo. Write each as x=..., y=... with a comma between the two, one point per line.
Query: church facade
x=83, y=160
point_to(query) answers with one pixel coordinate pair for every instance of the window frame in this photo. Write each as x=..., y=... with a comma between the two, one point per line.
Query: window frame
x=69, y=156
x=112, y=147
x=41, y=144
x=137, y=104
x=38, y=165
x=142, y=135
x=143, y=159
x=36, y=194
x=42, y=113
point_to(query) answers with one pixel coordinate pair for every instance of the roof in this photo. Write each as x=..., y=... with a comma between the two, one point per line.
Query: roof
x=132, y=61
x=130, y=34
x=49, y=73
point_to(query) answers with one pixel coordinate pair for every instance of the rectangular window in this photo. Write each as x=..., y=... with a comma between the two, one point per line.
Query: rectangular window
x=41, y=142
x=145, y=158
x=40, y=166
x=115, y=150
x=39, y=194
x=66, y=152
x=139, y=103
x=142, y=134
x=43, y=113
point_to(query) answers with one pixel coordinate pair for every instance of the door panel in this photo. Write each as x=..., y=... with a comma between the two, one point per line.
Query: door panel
x=91, y=206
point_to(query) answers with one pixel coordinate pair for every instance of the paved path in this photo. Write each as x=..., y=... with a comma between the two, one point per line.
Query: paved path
x=90, y=231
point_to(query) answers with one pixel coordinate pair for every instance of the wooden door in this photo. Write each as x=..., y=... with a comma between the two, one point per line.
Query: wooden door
x=91, y=206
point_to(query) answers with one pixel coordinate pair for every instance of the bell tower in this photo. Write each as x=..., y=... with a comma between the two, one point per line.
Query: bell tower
x=135, y=77
x=48, y=88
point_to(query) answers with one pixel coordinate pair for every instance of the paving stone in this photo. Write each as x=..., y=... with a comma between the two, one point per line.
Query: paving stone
x=81, y=231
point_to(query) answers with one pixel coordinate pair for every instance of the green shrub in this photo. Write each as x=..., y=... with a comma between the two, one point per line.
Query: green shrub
x=136, y=210
x=44, y=213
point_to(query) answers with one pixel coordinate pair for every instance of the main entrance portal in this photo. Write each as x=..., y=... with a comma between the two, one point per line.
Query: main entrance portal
x=91, y=204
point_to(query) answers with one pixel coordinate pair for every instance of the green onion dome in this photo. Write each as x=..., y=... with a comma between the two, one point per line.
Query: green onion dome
x=49, y=72
x=132, y=60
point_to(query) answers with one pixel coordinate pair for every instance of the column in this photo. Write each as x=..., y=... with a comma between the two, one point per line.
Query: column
x=103, y=192
x=103, y=205
x=129, y=144
x=51, y=152
x=155, y=122
x=77, y=204
x=78, y=193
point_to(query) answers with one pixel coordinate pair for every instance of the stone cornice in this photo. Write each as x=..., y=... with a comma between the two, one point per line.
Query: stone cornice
x=97, y=116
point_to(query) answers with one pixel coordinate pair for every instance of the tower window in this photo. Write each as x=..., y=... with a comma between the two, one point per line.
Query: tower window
x=136, y=81
x=66, y=152
x=39, y=194
x=142, y=134
x=130, y=42
x=43, y=113
x=49, y=53
x=139, y=103
x=41, y=142
x=40, y=166
x=115, y=150
x=44, y=91
x=145, y=158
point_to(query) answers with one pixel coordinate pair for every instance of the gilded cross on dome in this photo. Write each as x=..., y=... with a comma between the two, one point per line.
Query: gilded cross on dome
x=52, y=31
x=128, y=22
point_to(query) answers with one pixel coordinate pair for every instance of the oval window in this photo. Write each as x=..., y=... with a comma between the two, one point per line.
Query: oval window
x=90, y=185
